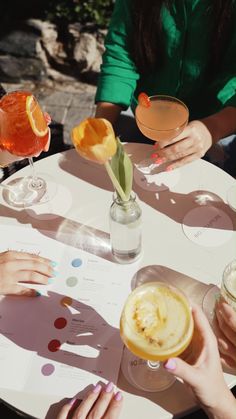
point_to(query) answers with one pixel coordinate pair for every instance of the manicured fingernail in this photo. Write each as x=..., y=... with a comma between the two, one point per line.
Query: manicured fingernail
x=169, y=168
x=72, y=401
x=55, y=273
x=160, y=160
x=50, y=280
x=170, y=364
x=109, y=387
x=118, y=397
x=97, y=388
x=38, y=294
x=53, y=264
x=154, y=156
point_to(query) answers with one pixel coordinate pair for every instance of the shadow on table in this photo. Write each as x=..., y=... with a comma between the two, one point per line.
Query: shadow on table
x=60, y=329
x=176, y=395
x=199, y=208
x=64, y=230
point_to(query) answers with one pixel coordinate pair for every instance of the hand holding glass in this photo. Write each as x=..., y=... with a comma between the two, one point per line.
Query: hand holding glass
x=156, y=324
x=159, y=117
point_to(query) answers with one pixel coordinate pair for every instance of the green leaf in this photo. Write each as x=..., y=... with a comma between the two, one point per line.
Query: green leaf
x=122, y=168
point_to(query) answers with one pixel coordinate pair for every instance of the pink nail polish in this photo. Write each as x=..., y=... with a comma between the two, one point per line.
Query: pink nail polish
x=97, y=388
x=109, y=387
x=72, y=401
x=160, y=160
x=118, y=397
x=170, y=364
x=154, y=156
x=169, y=168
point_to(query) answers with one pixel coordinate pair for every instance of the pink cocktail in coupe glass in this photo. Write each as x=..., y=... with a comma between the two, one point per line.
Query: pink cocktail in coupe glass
x=159, y=117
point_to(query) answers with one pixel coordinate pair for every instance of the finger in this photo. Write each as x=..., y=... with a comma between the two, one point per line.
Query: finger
x=63, y=414
x=32, y=265
x=182, y=162
x=102, y=403
x=227, y=331
x=203, y=327
x=227, y=312
x=32, y=277
x=87, y=404
x=184, y=134
x=228, y=364
x=114, y=407
x=13, y=254
x=178, y=150
x=226, y=348
x=181, y=369
x=19, y=290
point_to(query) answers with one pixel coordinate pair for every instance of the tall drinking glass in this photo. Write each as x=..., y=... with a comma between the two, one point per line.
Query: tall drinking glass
x=160, y=118
x=24, y=133
x=156, y=324
x=227, y=291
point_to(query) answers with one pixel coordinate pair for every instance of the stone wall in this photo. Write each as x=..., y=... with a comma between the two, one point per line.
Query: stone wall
x=37, y=50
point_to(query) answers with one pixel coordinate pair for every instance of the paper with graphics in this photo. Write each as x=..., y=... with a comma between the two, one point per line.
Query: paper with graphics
x=68, y=337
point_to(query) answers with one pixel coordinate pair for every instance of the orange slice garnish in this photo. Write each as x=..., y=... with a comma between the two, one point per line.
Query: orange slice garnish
x=144, y=100
x=36, y=117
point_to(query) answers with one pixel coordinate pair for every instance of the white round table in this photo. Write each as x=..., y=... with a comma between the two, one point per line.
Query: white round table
x=188, y=238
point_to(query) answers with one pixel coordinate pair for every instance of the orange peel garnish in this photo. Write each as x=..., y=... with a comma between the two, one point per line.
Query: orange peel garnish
x=36, y=117
x=144, y=100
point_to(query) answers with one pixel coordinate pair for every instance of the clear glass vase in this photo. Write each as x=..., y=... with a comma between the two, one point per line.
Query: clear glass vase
x=125, y=229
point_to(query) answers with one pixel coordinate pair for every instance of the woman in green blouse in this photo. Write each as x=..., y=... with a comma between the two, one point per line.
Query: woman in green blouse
x=183, y=48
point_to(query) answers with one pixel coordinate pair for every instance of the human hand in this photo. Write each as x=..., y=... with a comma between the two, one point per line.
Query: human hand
x=204, y=376
x=190, y=145
x=7, y=158
x=226, y=333
x=99, y=403
x=16, y=267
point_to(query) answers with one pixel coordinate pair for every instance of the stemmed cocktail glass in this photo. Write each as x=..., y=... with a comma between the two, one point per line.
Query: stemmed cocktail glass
x=24, y=133
x=159, y=117
x=156, y=324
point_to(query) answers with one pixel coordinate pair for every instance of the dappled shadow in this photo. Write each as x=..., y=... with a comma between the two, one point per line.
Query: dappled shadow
x=61, y=329
x=64, y=230
x=174, y=205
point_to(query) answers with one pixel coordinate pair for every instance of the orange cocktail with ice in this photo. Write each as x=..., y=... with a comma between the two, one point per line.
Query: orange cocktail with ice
x=24, y=133
x=156, y=324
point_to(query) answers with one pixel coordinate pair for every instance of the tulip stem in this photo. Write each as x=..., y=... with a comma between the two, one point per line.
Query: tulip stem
x=115, y=182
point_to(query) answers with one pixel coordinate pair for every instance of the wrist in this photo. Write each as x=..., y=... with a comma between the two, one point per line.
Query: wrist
x=226, y=409
x=221, y=124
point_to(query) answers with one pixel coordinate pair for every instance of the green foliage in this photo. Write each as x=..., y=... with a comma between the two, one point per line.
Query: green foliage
x=97, y=12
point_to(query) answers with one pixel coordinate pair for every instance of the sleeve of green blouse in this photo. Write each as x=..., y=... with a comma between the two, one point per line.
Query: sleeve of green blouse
x=118, y=76
x=225, y=82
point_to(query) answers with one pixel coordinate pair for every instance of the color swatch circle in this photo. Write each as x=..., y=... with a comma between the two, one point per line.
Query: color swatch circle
x=72, y=281
x=76, y=263
x=60, y=323
x=66, y=301
x=47, y=369
x=54, y=345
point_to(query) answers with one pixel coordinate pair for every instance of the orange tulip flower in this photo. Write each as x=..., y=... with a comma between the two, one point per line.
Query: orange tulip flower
x=94, y=139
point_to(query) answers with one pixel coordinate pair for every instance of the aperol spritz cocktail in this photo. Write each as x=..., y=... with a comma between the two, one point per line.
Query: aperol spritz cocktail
x=24, y=133
x=156, y=324
x=159, y=118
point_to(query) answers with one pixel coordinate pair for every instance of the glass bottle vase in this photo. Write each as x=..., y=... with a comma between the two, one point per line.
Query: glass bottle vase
x=125, y=229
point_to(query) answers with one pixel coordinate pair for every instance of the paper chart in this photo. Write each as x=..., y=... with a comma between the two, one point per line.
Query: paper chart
x=67, y=338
